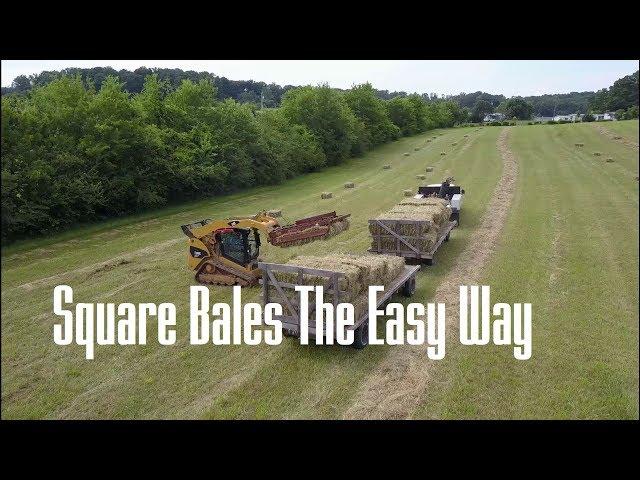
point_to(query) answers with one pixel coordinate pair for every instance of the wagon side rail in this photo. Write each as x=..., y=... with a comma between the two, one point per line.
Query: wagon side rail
x=291, y=313
x=403, y=247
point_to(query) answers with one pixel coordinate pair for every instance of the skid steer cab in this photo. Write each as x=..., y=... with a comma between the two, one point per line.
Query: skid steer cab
x=225, y=251
x=448, y=191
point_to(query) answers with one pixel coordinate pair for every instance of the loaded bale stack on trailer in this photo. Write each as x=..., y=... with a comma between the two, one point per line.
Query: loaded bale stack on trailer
x=413, y=229
x=345, y=278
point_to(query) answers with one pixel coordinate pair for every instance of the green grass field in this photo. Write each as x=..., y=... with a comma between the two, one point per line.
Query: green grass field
x=569, y=247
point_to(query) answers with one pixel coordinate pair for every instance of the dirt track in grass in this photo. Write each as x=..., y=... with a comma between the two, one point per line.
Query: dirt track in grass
x=395, y=388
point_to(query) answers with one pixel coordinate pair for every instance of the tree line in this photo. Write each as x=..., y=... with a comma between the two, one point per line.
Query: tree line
x=74, y=152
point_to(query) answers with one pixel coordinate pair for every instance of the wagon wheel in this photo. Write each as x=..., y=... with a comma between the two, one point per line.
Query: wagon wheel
x=409, y=287
x=361, y=336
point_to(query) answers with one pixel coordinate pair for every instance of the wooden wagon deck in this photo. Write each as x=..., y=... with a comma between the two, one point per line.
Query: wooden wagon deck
x=403, y=246
x=290, y=319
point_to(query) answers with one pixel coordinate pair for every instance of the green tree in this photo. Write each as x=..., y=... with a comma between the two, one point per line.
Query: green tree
x=326, y=114
x=371, y=111
x=480, y=110
x=516, y=107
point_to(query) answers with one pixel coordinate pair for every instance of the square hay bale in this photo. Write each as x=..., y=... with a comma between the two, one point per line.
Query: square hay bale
x=465, y=136
x=274, y=213
x=359, y=271
x=454, y=144
x=596, y=154
x=609, y=160
x=349, y=185
x=386, y=167
x=325, y=195
x=417, y=149
x=407, y=193
x=406, y=154
x=443, y=153
x=429, y=169
x=421, y=177
x=578, y=144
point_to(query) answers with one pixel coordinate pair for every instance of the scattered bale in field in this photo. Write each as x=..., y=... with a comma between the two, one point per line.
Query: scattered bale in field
x=407, y=193
x=349, y=185
x=428, y=140
x=609, y=160
x=465, y=136
x=386, y=167
x=417, y=149
x=429, y=169
x=421, y=177
x=443, y=153
x=434, y=137
x=579, y=144
x=454, y=144
x=617, y=137
x=596, y=154
x=274, y=213
x=441, y=134
x=406, y=154
x=325, y=195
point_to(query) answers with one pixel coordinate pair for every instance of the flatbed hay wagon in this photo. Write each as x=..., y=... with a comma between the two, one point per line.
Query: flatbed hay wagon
x=403, y=243
x=405, y=283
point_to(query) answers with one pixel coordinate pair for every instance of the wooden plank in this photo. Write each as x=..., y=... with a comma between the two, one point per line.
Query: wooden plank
x=398, y=237
x=292, y=310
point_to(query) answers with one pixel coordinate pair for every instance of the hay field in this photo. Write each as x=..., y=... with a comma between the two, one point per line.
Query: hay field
x=143, y=259
x=571, y=248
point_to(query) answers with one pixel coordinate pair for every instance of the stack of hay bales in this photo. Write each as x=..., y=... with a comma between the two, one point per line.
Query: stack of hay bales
x=349, y=185
x=325, y=195
x=360, y=271
x=431, y=213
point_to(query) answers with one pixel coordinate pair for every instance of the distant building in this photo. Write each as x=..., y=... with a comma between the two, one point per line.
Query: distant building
x=604, y=116
x=493, y=117
x=573, y=117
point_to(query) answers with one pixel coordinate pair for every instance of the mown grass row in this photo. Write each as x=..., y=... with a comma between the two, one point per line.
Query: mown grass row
x=571, y=249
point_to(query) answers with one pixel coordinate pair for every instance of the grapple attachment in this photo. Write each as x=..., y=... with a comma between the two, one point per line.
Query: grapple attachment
x=309, y=229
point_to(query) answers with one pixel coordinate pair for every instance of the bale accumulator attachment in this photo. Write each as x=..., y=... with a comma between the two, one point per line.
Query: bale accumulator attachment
x=309, y=229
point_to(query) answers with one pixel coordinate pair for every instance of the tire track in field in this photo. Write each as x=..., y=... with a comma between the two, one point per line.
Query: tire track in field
x=615, y=137
x=94, y=268
x=395, y=388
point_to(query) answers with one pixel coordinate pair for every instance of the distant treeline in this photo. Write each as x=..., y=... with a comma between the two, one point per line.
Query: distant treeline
x=622, y=95
x=75, y=150
x=243, y=91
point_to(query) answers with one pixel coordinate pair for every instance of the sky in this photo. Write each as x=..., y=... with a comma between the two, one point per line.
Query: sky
x=444, y=77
